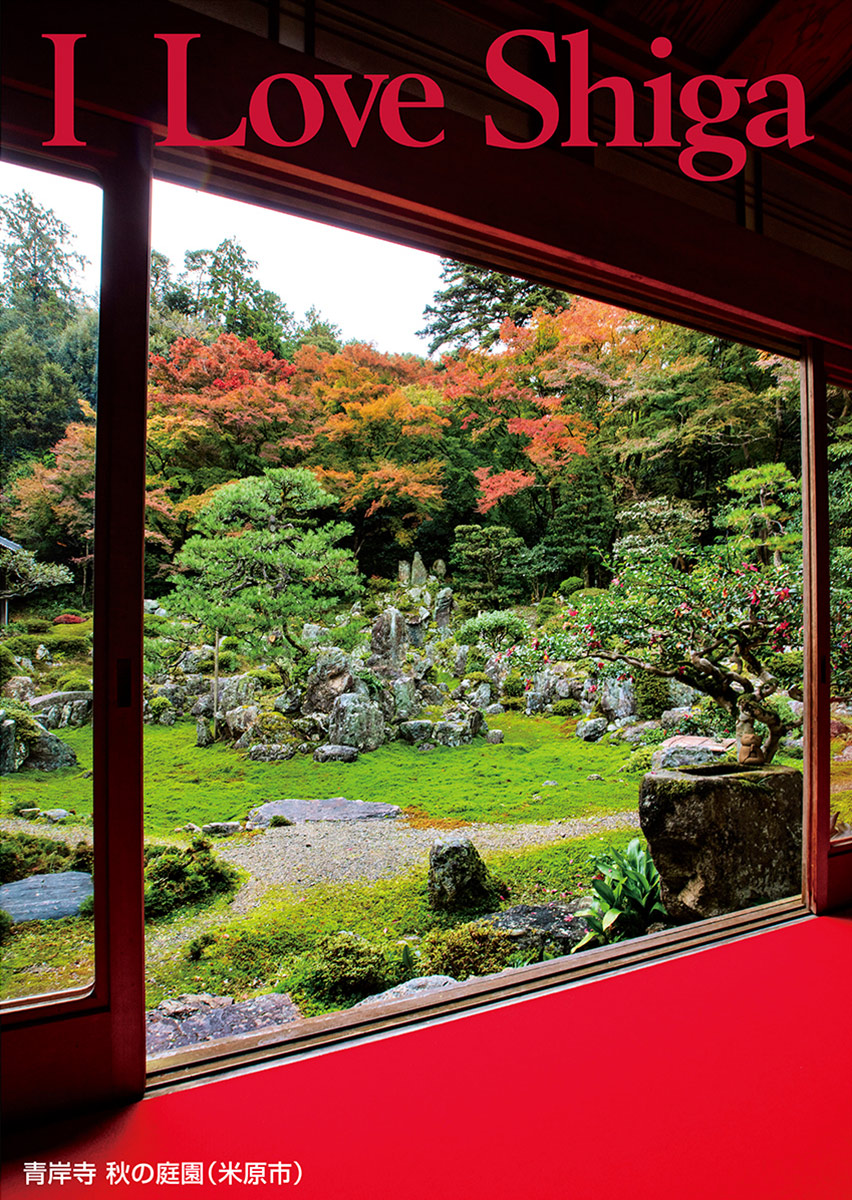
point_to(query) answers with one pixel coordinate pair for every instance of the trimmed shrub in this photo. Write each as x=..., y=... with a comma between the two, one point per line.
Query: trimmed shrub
x=513, y=703
x=472, y=949
x=477, y=677
x=27, y=728
x=514, y=684
x=566, y=708
x=33, y=624
x=5, y=925
x=653, y=695
x=342, y=969
x=266, y=679
x=546, y=608
x=74, y=683
x=159, y=705
x=570, y=585
x=67, y=618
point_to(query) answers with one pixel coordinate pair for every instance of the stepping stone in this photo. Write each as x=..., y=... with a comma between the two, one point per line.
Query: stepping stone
x=338, y=808
x=46, y=897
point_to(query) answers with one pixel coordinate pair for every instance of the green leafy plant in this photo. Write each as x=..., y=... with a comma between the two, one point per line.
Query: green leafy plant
x=175, y=877
x=472, y=949
x=342, y=968
x=566, y=708
x=628, y=897
x=497, y=630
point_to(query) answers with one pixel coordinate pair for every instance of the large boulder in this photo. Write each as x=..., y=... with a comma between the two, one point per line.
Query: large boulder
x=406, y=703
x=356, y=721
x=416, y=731
x=8, y=745
x=49, y=753
x=687, y=750
x=592, y=730
x=389, y=637
x=458, y=878
x=444, y=608
x=234, y=692
x=451, y=733
x=537, y=928
x=723, y=838
x=240, y=720
x=617, y=697
x=329, y=678
x=419, y=574
x=331, y=752
x=336, y=808
x=46, y=897
x=20, y=688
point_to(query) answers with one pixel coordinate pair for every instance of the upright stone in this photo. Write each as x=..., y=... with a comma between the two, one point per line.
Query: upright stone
x=356, y=721
x=389, y=636
x=458, y=878
x=419, y=574
x=439, y=568
x=329, y=678
x=444, y=608
x=403, y=573
x=7, y=744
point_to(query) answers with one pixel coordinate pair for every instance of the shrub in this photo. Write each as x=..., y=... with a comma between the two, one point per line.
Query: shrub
x=347, y=637
x=27, y=728
x=8, y=666
x=87, y=907
x=653, y=696
x=266, y=679
x=159, y=705
x=342, y=969
x=546, y=608
x=566, y=708
x=67, y=618
x=25, y=854
x=271, y=726
x=74, y=683
x=5, y=925
x=628, y=890
x=570, y=585
x=476, y=677
x=513, y=703
x=33, y=624
x=472, y=949
x=640, y=761
x=496, y=629
x=514, y=684
x=279, y=822
x=175, y=877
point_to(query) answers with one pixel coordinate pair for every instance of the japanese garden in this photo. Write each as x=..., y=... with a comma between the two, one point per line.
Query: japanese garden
x=454, y=663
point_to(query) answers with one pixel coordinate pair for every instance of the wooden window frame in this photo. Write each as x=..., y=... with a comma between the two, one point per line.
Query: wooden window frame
x=102, y=1033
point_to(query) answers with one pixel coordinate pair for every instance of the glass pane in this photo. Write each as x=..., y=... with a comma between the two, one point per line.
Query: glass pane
x=49, y=332
x=427, y=619
x=840, y=527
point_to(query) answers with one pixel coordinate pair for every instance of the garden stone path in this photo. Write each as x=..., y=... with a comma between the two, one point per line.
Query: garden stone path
x=365, y=851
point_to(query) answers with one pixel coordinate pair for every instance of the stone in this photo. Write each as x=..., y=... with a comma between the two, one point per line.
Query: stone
x=723, y=838
x=288, y=702
x=58, y=710
x=406, y=702
x=415, y=626
x=592, y=730
x=423, y=985
x=8, y=745
x=451, y=733
x=794, y=746
x=46, y=897
x=460, y=661
x=333, y=753
x=419, y=574
x=356, y=721
x=636, y=735
x=494, y=710
x=49, y=753
x=481, y=695
x=439, y=568
x=337, y=808
x=389, y=637
x=189, y=1020
x=312, y=634
x=687, y=750
x=240, y=720
x=20, y=688
x=494, y=737
x=672, y=717
x=403, y=572
x=271, y=752
x=203, y=734
x=330, y=676
x=221, y=828
x=444, y=608
x=43, y=654
x=235, y=691
x=416, y=731
x=193, y=660
x=593, y=778
x=617, y=697
x=538, y=928
x=56, y=816
x=458, y=878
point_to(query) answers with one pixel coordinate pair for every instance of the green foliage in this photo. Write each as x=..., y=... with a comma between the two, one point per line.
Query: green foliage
x=347, y=637
x=6, y=924
x=175, y=877
x=8, y=666
x=497, y=630
x=75, y=682
x=25, y=854
x=33, y=624
x=472, y=949
x=628, y=891
x=514, y=685
x=21, y=573
x=476, y=677
x=546, y=608
x=653, y=695
x=27, y=729
x=569, y=585
x=639, y=762
x=279, y=822
x=266, y=679
x=513, y=703
x=159, y=705
x=342, y=969
x=566, y=708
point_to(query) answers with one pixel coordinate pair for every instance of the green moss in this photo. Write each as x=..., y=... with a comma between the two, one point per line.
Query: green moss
x=472, y=949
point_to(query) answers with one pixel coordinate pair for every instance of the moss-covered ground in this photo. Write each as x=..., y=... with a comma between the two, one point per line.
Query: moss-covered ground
x=540, y=773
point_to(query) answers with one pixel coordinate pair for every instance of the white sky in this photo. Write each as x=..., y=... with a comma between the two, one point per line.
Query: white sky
x=374, y=290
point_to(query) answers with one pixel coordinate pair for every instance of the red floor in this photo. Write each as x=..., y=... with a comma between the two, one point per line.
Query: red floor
x=720, y=1075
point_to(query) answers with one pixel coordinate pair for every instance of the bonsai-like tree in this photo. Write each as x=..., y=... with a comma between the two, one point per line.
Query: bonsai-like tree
x=21, y=573
x=262, y=562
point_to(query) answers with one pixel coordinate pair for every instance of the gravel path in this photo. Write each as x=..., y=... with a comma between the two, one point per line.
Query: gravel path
x=346, y=851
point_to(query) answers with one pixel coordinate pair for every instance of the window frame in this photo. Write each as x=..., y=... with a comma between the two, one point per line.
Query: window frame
x=103, y=1032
